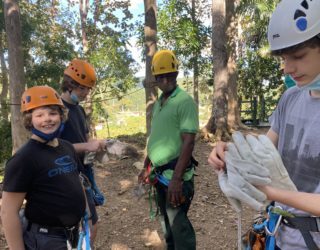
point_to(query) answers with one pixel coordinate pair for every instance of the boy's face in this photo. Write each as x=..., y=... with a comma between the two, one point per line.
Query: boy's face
x=81, y=92
x=303, y=65
x=46, y=119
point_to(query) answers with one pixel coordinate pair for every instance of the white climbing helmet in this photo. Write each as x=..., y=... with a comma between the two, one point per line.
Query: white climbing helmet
x=293, y=22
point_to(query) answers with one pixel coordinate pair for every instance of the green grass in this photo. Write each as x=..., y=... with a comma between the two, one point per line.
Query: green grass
x=127, y=125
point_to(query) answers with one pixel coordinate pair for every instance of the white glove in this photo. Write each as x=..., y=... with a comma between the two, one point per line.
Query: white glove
x=269, y=157
x=235, y=183
x=240, y=191
x=246, y=164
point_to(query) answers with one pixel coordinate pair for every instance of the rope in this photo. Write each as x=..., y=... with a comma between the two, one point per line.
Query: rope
x=239, y=230
x=94, y=101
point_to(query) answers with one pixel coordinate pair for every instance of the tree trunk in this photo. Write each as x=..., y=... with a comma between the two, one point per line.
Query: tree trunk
x=150, y=32
x=195, y=60
x=218, y=121
x=234, y=121
x=83, y=19
x=5, y=82
x=16, y=72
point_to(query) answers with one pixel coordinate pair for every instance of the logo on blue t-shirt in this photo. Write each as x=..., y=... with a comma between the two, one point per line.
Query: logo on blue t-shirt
x=64, y=165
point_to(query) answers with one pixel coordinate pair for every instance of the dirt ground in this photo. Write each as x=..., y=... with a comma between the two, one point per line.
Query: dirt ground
x=124, y=220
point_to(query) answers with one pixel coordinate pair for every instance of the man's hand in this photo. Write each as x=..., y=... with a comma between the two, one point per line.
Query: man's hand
x=143, y=176
x=175, y=194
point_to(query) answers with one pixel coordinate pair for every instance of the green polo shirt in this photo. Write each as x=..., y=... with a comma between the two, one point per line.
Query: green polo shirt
x=178, y=115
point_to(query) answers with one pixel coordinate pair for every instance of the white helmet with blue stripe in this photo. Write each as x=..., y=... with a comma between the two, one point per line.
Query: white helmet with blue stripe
x=293, y=22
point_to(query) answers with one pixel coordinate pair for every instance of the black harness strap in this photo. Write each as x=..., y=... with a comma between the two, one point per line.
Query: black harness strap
x=172, y=164
x=305, y=225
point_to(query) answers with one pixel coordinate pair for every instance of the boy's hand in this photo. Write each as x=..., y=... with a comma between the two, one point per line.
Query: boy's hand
x=216, y=158
x=95, y=145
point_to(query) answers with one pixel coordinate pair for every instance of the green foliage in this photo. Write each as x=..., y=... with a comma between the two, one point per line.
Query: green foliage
x=184, y=33
x=258, y=73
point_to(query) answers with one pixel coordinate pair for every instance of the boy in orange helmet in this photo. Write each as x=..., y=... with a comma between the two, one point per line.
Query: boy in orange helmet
x=78, y=80
x=45, y=173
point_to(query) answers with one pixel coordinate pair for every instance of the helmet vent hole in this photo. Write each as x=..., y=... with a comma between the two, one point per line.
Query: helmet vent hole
x=83, y=76
x=299, y=13
x=305, y=4
x=173, y=65
x=28, y=99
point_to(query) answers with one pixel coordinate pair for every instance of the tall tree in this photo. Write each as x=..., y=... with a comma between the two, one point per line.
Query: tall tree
x=150, y=31
x=218, y=121
x=16, y=73
x=196, y=54
x=83, y=6
x=4, y=80
x=233, y=35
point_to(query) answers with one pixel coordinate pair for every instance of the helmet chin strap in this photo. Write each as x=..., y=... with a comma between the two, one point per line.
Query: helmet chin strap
x=48, y=137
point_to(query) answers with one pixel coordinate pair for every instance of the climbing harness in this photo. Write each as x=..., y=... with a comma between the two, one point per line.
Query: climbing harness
x=97, y=195
x=276, y=216
x=84, y=234
x=270, y=226
x=158, y=177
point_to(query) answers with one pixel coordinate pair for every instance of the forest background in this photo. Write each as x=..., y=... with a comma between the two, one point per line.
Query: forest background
x=223, y=62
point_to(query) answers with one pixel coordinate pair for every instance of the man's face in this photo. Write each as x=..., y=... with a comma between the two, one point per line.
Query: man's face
x=166, y=82
x=303, y=65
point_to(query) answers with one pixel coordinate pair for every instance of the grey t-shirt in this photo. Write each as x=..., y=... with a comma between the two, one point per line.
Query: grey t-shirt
x=297, y=122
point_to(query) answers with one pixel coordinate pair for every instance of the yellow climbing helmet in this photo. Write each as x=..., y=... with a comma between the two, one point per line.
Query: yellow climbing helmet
x=39, y=96
x=163, y=62
x=82, y=72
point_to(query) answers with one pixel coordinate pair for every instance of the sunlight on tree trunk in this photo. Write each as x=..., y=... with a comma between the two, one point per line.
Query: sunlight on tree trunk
x=16, y=73
x=150, y=31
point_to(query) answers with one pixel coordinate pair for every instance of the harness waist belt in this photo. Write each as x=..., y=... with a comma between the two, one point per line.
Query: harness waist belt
x=33, y=227
x=171, y=165
x=311, y=224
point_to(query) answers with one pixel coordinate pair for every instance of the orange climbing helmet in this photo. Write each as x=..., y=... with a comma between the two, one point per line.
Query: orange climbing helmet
x=163, y=62
x=39, y=96
x=82, y=72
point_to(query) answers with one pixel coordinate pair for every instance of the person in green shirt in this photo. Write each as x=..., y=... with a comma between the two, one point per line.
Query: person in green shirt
x=174, y=126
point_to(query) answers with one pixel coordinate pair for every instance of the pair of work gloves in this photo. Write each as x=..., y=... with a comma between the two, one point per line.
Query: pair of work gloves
x=252, y=161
